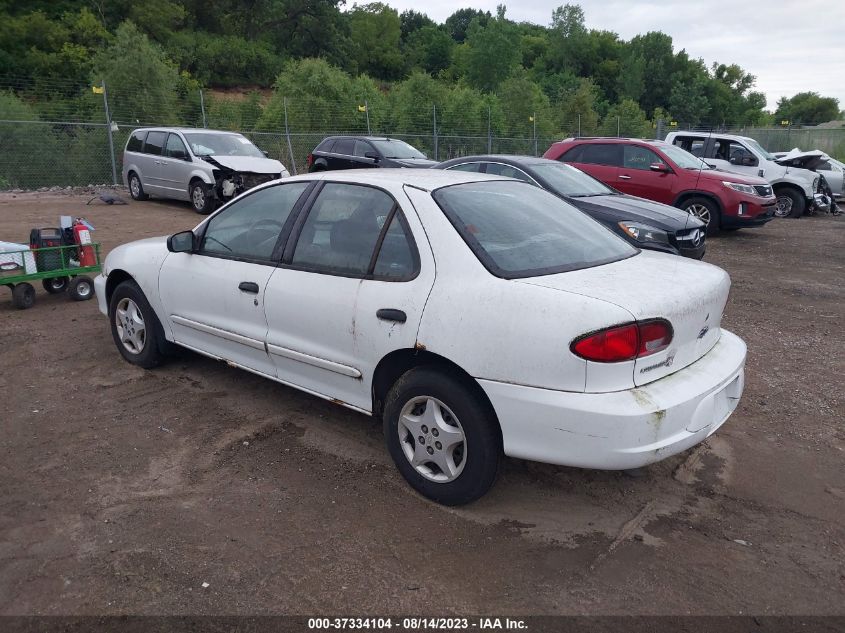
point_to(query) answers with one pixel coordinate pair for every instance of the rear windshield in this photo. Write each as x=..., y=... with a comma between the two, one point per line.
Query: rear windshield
x=569, y=181
x=519, y=230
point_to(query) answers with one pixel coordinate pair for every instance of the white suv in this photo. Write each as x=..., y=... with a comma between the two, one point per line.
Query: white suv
x=796, y=189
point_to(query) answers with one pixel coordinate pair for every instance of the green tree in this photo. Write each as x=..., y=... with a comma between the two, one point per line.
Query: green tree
x=524, y=104
x=376, y=31
x=457, y=24
x=577, y=109
x=430, y=49
x=627, y=119
x=493, y=53
x=655, y=50
x=807, y=108
x=141, y=81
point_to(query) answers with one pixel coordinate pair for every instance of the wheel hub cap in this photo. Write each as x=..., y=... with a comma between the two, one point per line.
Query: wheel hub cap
x=432, y=439
x=784, y=206
x=699, y=211
x=199, y=197
x=129, y=323
x=135, y=186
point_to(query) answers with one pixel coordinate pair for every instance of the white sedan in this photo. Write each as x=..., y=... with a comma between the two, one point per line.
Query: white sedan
x=476, y=316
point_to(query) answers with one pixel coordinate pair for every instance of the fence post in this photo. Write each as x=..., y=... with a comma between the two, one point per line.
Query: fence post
x=367, y=112
x=202, y=109
x=489, y=133
x=660, y=133
x=617, y=127
x=287, y=136
x=434, y=123
x=108, y=130
x=534, y=120
x=579, y=124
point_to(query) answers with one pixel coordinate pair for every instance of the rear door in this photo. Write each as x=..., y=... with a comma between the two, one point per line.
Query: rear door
x=601, y=160
x=175, y=167
x=342, y=154
x=637, y=178
x=353, y=282
x=150, y=162
x=215, y=298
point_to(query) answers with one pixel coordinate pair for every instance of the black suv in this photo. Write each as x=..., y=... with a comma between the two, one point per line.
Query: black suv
x=352, y=152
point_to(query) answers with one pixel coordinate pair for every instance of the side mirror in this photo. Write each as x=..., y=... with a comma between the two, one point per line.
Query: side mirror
x=182, y=242
x=182, y=156
x=372, y=155
x=661, y=167
x=749, y=161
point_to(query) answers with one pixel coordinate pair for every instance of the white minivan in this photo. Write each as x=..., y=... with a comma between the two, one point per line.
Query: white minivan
x=206, y=167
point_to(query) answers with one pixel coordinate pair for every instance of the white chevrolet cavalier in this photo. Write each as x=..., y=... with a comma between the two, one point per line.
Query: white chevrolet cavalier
x=477, y=316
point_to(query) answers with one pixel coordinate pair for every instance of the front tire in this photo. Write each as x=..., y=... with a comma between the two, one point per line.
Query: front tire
x=135, y=328
x=790, y=204
x=705, y=210
x=136, y=188
x=201, y=198
x=443, y=437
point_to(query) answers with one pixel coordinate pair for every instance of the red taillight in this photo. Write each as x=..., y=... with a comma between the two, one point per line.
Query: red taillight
x=624, y=342
x=309, y=160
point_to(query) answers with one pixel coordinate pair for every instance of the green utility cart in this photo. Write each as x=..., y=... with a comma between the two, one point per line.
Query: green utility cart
x=59, y=268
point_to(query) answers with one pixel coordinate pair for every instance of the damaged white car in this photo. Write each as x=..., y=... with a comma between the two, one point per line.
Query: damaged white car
x=205, y=167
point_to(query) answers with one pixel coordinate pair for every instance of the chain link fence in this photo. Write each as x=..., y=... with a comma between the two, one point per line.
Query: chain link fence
x=60, y=134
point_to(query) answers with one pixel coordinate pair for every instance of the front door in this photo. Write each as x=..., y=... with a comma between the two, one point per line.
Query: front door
x=351, y=288
x=636, y=177
x=215, y=298
x=175, y=168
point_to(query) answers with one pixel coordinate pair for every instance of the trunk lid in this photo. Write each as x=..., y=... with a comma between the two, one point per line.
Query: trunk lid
x=691, y=295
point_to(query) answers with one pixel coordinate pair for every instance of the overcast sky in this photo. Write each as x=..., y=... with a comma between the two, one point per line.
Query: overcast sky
x=790, y=46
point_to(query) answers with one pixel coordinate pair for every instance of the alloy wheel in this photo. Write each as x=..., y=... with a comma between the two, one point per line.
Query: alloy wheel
x=699, y=211
x=198, y=197
x=432, y=439
x=784, y=206
x=130, y=326
x=135, y=186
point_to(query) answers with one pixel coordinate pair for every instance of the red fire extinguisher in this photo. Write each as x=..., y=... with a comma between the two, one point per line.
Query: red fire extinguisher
x=82, y=236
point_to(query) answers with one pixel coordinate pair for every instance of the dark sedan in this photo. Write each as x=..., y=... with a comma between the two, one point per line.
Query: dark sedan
x=644, y=223
x=354, y=152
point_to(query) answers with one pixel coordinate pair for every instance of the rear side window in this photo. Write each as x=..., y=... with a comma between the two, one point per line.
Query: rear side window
x=154, y=143
x=471, y=167
x=344, y=146
x=601, y=154
x=497, y=169
x=136, y=141
x=344, y=229
x=326, y=145
x=517, y=230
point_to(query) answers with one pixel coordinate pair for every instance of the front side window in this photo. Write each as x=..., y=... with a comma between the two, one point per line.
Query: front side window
x=517, y=230
x=567, y=180
x=682, y=158
x=250, y=227
x=636, y=157
x=362, y=148
x=154, y=143
x=175, y=148
x=342, y=231
x=394, y=148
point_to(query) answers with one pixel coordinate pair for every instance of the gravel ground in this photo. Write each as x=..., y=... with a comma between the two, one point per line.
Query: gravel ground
x=124, y=491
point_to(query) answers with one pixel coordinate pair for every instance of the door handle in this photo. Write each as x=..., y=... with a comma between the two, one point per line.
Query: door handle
x=390, y=314
x=248, y=286
x=624, y=177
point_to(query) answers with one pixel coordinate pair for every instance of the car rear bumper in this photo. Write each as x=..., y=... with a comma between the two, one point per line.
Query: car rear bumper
x=622, y=429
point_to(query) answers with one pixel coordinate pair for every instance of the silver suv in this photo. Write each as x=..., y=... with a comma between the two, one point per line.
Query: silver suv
x=205, y=167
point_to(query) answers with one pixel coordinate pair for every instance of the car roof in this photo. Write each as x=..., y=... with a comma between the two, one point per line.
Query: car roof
x=363, y=137
x=183, y=130
x=613, y=140
x=521, y=160
x=427, y=179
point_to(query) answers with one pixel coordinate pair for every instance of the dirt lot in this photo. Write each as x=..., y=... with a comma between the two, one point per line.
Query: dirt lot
x=123, y=490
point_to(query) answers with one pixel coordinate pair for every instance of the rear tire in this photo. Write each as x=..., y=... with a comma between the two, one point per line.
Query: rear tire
x=443, y=437
x=136, y=188
x=135, y=329
x=56, y=285
x=81, y=288
x=23, y=296
x=790, y=203
x=201, y=199
x=705, y=210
